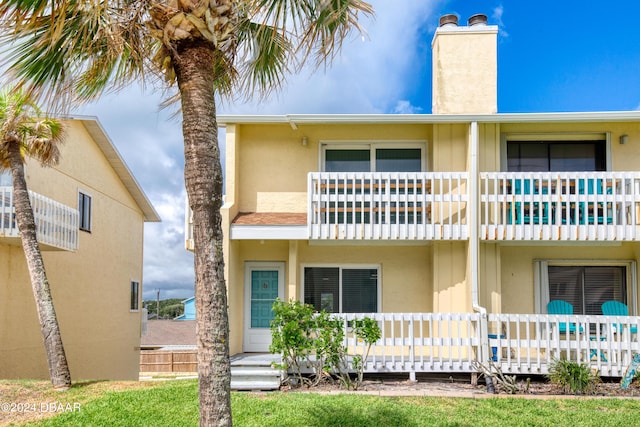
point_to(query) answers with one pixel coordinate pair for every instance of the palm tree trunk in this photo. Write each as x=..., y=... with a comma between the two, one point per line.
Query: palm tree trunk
x=203, y=179
x=56, y=358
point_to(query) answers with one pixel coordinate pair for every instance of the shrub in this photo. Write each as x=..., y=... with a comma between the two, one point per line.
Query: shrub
x=291, y=334
x=573, y=377
x=317, y=340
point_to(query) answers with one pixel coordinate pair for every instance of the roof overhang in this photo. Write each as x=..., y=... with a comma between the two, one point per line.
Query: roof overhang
x=97, y=132
x=269, y=232
x=295, y=120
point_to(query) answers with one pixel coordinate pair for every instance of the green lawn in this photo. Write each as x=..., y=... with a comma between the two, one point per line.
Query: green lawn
x=174, y=403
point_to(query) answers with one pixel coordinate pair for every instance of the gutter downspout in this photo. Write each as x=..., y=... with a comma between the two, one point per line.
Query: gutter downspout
x=474, y=241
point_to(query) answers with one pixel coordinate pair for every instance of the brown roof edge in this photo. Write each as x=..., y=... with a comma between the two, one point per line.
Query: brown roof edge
x=270, y=218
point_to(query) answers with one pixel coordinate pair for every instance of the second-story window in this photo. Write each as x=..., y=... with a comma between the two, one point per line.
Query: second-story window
x=372, y=158
x=556, y=156
x=84, y=208
x=135, y=296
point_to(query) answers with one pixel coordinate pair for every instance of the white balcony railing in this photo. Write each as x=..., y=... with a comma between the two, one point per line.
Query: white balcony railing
x=595, y=206
x=387, y=206
x=518, y=343
x=56, y=224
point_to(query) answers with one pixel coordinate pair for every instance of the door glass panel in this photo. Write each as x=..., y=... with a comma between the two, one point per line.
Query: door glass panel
x=527, y=157
x=557, y=156
x=341, y=290
x=347, y=161
x=359, y=290
x=264, y=291
x=398, y=160
x=573, y=157
x=321, y=288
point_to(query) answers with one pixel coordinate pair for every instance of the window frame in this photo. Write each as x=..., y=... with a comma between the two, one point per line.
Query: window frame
x=340, y=267
x=578, y=137
x=133, y=282
x=81, y=224
x=372, y=146
x=541, y=279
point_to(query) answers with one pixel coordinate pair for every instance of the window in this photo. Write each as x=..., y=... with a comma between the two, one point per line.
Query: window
x=556, y=156
x=342, y=289
x=135, y=296
x=6, y=180
x=373, y=158
x=84, y=208
x=585, y=286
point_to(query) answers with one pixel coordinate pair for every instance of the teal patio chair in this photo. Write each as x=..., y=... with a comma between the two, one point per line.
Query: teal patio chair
x=530, y=212
x=616, y=308
x=558, y=306
x=594, y=213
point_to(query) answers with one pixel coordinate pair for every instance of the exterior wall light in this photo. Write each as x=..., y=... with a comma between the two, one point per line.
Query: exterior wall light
x=624, y=139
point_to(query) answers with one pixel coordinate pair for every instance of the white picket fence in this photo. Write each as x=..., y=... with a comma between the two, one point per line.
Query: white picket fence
x=56, y=224
x=517, y=343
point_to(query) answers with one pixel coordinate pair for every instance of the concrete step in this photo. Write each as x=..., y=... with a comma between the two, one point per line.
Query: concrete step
x=255, y=383
x=260, y=371
x=254, y=372
x=254, y=377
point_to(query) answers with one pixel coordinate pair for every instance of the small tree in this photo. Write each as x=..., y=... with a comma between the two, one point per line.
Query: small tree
x=367, y=331
x=25, y=130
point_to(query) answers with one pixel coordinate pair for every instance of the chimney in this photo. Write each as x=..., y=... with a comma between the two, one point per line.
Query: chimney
x=465, y=67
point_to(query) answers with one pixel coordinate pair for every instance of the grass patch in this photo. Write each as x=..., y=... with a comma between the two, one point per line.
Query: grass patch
x=174, y=403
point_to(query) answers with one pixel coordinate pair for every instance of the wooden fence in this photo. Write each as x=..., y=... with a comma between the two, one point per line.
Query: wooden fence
x=168, y=361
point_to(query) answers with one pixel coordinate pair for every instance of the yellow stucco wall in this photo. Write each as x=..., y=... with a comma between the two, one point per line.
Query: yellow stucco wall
x=90, y=287
x=465, y=70
x=274, y=164
x=517, y=268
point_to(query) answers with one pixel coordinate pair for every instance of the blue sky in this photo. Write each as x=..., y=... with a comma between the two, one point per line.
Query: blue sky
x=552, y=56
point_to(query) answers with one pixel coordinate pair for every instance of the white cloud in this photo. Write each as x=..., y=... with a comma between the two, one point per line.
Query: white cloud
x=405, y=107
x=368, y=77
x=497, y=18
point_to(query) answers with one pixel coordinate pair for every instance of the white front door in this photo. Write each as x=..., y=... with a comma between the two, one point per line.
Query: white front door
x=264, y=282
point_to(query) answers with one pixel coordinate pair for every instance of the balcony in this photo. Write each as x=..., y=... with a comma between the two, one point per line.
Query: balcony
x=560, y=206
x=56, y=224
x=387, y=206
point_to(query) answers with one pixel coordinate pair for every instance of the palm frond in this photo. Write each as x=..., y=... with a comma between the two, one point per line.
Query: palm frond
x=266, y=56
x=22, y=122
x=329, y=26
x=283, y=35
x=74, y=47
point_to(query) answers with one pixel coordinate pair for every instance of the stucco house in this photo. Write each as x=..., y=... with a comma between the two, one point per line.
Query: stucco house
x=453, y=229
x=90, y=214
